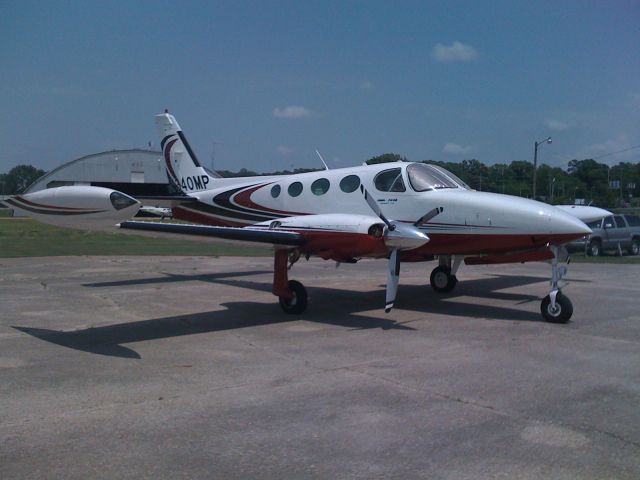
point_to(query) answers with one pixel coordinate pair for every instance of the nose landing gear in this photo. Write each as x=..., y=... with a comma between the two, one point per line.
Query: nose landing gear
x=556, y=307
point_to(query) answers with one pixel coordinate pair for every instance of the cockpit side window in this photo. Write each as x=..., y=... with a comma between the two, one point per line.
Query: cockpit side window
x=390, y=181
x=425, y=177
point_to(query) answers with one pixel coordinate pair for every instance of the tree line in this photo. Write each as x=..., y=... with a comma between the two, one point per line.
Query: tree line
x=584, y=180
x=593, y=182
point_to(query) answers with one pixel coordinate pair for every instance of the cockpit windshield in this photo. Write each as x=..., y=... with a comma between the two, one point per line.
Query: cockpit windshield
x=430, y=177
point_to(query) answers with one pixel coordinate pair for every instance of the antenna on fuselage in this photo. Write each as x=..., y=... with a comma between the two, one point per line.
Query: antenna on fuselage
x=322, y=160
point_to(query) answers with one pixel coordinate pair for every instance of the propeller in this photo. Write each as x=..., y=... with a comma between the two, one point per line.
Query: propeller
x=393, y=278
x=398, y=236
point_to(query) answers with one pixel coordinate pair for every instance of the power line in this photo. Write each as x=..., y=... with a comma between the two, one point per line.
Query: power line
x=619, y=151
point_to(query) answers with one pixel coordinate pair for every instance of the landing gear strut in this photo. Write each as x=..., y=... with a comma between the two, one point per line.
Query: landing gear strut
x=443, y=278
x=556, y=307
x=291, y=293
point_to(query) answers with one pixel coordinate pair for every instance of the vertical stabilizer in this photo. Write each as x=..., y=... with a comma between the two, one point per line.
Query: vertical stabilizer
x=183, y=167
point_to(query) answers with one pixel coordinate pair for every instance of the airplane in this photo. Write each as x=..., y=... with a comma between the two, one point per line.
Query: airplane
x=403, y=212
x=586, y=213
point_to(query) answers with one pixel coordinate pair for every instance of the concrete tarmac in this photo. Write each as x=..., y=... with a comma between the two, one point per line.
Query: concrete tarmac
x=175, y=367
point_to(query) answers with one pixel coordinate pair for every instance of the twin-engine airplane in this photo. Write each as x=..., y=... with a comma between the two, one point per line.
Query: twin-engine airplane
x=405, y=212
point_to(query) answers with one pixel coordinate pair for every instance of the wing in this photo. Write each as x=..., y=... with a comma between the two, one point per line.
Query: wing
x=246, y=234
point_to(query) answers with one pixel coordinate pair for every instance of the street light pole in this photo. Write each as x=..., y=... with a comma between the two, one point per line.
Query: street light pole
x=535, y=162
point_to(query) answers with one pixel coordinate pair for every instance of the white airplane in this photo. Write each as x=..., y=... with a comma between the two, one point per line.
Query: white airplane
x=409, y=212
x=586, y=213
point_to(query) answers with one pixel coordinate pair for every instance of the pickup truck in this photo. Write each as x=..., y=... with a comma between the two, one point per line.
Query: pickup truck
x=613, y=232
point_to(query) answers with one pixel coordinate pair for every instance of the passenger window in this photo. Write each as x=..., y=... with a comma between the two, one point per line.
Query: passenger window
x=619, y=221
x=295, y=189
x=320, y=186
x=350, y=183
x=275, y=191
x=390, y=181
x=608, y=222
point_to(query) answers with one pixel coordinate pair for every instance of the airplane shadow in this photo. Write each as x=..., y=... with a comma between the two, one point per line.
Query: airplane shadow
x=328, y=306
x=172, y=277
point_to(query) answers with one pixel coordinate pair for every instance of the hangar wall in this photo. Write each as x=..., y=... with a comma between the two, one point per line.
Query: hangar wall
x=135, y=172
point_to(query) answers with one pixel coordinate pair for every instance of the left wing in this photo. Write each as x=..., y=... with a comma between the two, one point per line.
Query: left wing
x=246, y=234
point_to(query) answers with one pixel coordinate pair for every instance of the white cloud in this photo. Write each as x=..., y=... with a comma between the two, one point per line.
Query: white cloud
x=456, y=149
x=367, y=85
x=556, y=125
x=456, y=52
x=284, y=150
x=292, y=111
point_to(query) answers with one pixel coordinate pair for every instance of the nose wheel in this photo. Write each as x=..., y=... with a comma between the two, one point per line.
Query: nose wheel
x=556, y=307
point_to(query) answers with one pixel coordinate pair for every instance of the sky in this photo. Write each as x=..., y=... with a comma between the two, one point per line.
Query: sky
x=263, y=84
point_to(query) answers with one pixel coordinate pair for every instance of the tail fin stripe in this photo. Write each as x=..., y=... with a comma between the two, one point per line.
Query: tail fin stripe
x=164, y=140
x=167, y=160
x=188, y=147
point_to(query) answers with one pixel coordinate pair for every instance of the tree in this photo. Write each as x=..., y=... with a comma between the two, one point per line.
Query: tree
x=3, y=183
x=386, y=158
x=20, y=177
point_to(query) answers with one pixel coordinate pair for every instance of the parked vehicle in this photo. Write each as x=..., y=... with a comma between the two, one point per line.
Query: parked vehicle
x=620, y=233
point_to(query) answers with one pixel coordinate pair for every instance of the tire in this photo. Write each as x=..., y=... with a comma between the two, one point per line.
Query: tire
x=563, y=311
x=634, y=249
x=441, y=279
x=297, y=304
x=595, y=248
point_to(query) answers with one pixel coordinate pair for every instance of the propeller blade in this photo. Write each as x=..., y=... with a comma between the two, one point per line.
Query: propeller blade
x=393, y=277
x=375, y=207
x=428, y=216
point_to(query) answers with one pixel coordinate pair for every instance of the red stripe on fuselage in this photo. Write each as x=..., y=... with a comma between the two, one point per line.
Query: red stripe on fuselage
x=243, y=198
x=52, y=207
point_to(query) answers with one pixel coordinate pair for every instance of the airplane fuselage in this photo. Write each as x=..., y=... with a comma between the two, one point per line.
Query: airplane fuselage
x=470, y=222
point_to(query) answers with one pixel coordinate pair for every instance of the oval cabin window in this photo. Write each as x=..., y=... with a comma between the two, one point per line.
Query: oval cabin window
x=295, y=189
x=350, y=183
x=320, y=186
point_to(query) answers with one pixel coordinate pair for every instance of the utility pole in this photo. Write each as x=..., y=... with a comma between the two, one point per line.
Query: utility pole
x=535, y=162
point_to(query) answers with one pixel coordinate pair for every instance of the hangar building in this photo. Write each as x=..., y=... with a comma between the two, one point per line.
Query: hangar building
x=135, y=172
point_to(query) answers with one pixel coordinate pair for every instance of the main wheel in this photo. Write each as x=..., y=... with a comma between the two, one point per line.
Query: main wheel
x=441, y=279
x=562, y=311
x=634, y=249
x=298, y=303
x=595, y=248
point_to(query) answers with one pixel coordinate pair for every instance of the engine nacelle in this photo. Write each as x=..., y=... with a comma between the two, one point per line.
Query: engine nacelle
x=82, y=207
x=329, y=222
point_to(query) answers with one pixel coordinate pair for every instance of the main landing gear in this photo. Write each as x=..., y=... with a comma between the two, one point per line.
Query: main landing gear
x=556, y=307
x=443, y=278
x=291, y=293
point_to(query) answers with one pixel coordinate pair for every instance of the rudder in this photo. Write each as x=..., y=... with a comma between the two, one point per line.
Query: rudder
x=181, y=163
